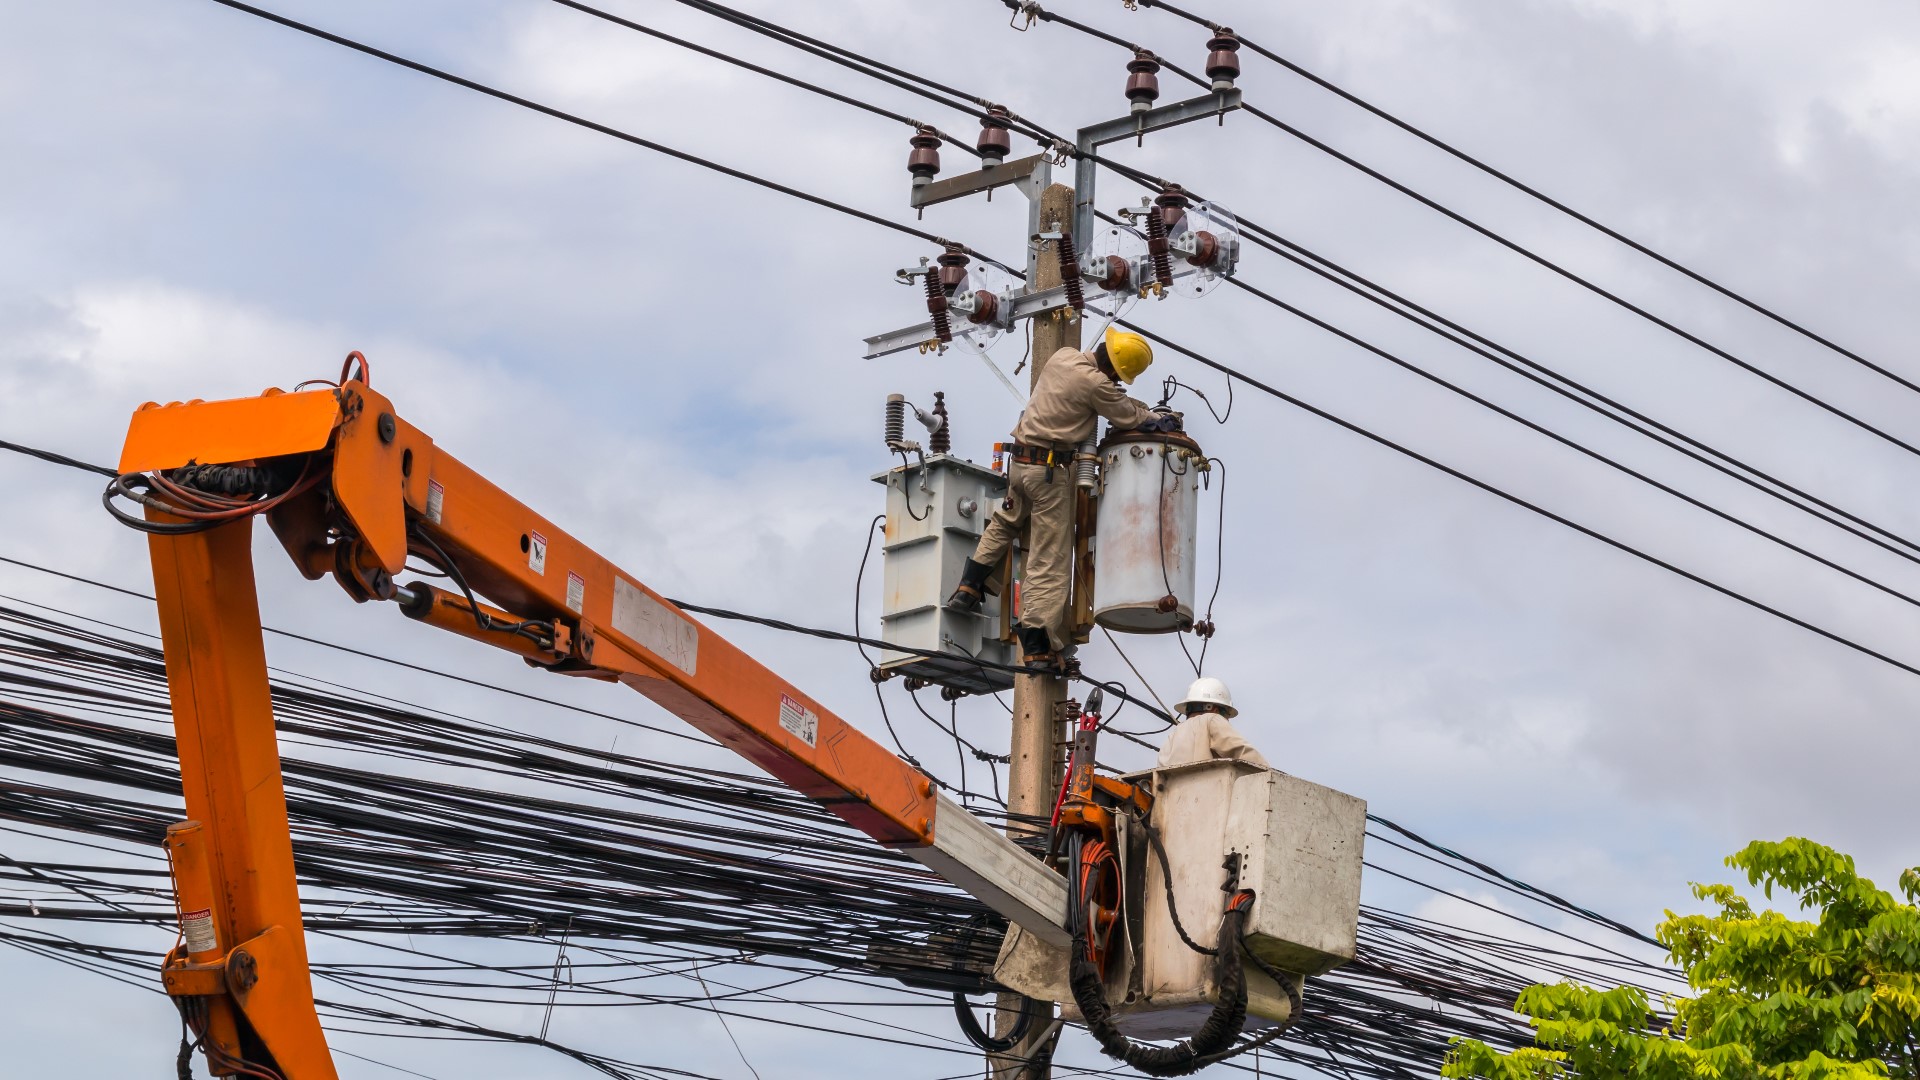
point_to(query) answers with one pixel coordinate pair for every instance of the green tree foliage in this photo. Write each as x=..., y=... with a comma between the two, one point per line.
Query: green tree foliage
x=1836, y=998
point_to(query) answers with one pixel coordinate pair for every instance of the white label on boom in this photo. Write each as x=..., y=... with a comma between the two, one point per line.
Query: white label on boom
x=655, y=626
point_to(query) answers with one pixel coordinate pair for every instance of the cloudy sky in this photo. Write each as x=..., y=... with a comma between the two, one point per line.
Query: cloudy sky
x=196, y=203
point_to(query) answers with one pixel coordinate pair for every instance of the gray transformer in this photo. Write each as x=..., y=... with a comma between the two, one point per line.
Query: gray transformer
x=935, y=513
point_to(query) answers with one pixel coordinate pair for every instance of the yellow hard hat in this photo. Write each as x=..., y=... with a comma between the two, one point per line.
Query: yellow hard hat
x=1128, y=353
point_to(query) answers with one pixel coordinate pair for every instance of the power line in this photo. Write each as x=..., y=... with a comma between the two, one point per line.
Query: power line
x=1517, y=248
x=781, y=33
x=366, y=834
x=716, y=54
x=590, y=125
x=1572, y=444
x=1491, y=489
x=736, y=16
x=1585, y=530
x=302, y=700
x=1535, y=193
x=1575, y=391
x=902, y=78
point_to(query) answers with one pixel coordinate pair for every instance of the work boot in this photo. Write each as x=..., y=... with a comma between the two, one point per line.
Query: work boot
x=972, y=591
x=1036, y=648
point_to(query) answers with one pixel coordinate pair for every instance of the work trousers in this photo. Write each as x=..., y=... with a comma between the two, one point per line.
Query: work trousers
x=1041, y=501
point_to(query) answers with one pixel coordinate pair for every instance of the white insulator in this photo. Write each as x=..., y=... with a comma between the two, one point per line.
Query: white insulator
x=1148, y=522
x=1086, y=462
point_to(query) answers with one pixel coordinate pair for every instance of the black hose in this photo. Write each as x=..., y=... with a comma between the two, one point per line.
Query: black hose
x=977, y=1035
x=1166, y=878
x=1214, y=1040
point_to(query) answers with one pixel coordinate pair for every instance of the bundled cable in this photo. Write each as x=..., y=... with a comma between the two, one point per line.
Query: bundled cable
x=1215, y=1035
x=207, y=496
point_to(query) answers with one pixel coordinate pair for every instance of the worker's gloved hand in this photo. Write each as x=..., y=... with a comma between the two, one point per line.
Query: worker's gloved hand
x=1163, y=420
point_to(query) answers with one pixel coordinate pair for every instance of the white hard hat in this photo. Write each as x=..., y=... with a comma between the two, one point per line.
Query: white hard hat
x=1207, y=691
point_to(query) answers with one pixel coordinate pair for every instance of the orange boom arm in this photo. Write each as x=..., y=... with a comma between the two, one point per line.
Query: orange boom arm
x=352, y=490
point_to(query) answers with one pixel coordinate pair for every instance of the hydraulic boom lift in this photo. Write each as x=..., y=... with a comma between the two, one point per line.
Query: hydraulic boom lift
x=352, y=490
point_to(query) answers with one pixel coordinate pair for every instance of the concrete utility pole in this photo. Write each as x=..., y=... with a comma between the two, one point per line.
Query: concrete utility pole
x=1040, y=738
x=1039, y=743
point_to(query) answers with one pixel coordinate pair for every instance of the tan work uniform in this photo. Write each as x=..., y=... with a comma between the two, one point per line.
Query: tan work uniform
x=1071, y=393
x=1204, y=737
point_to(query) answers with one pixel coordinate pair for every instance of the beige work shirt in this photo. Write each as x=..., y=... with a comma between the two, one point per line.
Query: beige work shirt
x=1204, y=737
x=1071, y=393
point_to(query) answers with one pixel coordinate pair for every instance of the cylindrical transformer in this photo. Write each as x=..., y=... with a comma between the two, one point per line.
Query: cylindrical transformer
x=1148, y=524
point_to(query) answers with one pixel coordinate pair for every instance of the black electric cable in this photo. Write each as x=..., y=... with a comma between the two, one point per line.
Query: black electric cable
x=1384, y=441
x=834, y=635
x=1511, y=245
x=716, y=54
x=894, y=225
x=1550, y=515
x=1535, y=193
x=59, y=459
x=754, y=21
x=1572, y=444
x=735, y=15
x=720, y=613
x=902, y=78
x=1577, y=392
x=590, y=125
x=1664, y=434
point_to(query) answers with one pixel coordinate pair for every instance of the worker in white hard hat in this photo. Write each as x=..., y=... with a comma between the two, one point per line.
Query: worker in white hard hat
x=1074, y=390
x=1205, y=730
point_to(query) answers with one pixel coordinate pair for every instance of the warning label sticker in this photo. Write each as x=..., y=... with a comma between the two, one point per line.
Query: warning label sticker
x=537, y=554
x=576, y=591
x=436, y=499
x=800, y=721
x=197, y=928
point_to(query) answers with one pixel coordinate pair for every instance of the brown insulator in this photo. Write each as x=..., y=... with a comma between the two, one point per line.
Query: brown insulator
x=1143, y=85
x=924, y=161
x=1119, y=274
x=1171, y=205
x=1206, y=248
x=995, y=140
x=937, y=309
x=1223, y=60
x=1070, y=270
x=1157, y=249
x=941, y=441
x=986, y=308
x=953, y=268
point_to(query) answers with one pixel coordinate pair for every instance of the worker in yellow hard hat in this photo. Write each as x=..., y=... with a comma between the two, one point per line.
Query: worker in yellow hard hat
x=1073, y=390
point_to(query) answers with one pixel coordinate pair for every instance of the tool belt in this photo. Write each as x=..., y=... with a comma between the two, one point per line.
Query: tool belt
x=1047, y=456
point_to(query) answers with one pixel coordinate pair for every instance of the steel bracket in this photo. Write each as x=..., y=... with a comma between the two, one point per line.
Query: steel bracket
x=1134, y=126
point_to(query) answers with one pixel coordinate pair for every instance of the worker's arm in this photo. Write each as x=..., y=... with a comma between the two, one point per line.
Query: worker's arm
x=1123, y=412
x=1225, y=741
